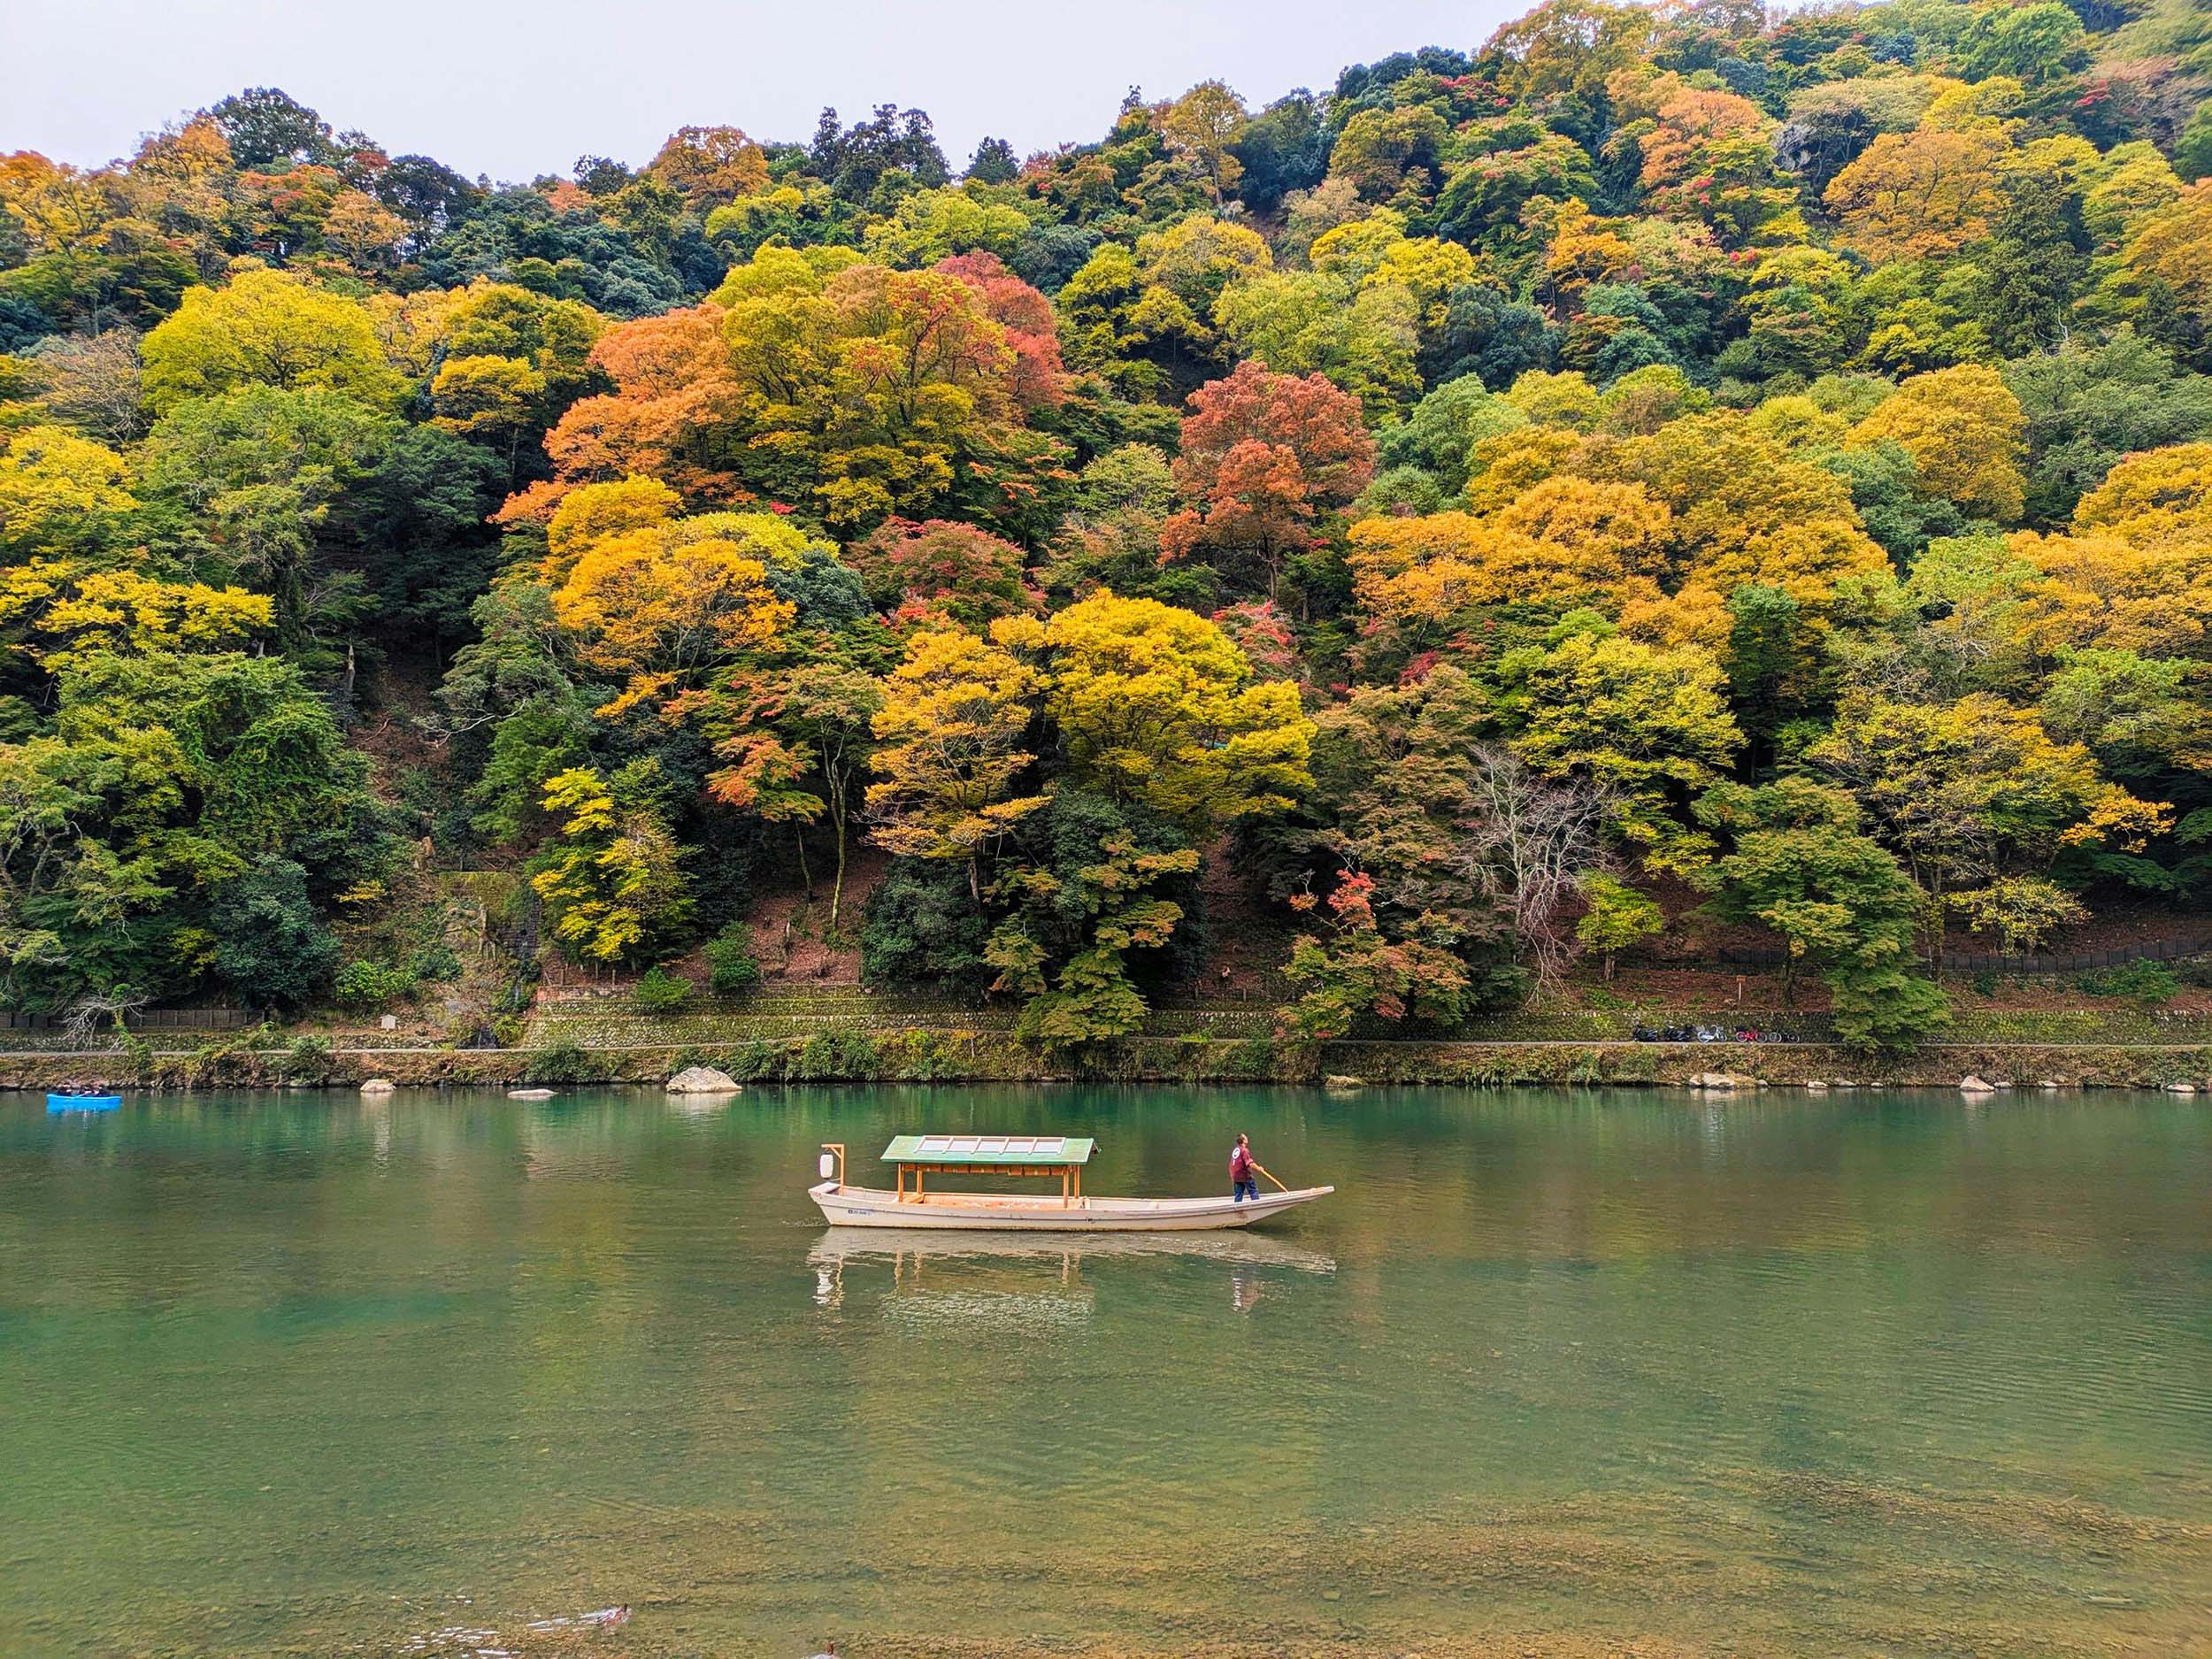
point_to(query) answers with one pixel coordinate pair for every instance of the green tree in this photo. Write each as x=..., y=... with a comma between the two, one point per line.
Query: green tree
x=1799, y=863
x=1077, y=916
x=1650, y=724
x=132, y=826
x=261, y=478
x=271, y=949
x=1618, y=916
x=266, y=329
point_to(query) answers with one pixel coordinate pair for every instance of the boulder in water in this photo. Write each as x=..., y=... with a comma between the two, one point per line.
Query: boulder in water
x=702, y=1079
x=377, y=1086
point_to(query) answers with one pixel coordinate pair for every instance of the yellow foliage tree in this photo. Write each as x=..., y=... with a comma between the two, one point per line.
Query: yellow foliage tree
x=58, y=608
x=1965, y=430
x=615, y=886
x=2103, y=590
x=948, y=750
x=58, y=491
x=266, y=329
x=1565, y=541
x=664, y=613
x=2174, y=247
x=363, y=231
x=2161, y=498
x=592, y=512
x=1911, y=195
x=1158, y=705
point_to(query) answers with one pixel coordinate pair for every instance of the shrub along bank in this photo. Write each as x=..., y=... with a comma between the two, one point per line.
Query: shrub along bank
x=643, y=1051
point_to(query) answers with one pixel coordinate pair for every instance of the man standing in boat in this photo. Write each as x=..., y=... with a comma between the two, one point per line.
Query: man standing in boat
x=1243, y=1172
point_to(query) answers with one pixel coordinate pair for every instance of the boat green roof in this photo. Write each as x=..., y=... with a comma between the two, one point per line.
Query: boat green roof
x=1023, y=1151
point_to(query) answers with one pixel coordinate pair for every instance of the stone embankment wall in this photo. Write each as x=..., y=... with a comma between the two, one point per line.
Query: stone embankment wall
x=839, y=1052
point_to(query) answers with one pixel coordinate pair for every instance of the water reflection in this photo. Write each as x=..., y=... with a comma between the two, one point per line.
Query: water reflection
x=840, y=1245
x=1007, y=1279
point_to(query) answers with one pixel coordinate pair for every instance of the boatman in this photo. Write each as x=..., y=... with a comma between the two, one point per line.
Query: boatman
x=1243, y=1173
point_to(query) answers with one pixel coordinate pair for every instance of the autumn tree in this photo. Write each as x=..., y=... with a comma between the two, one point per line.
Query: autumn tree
x=614, y=886
x=1264, y=457
x=266, y=329
x=800, y=752
x=1962, y=428
x=59, y=492
x=1158, y=706
x=660, y=609
x=949, y=757
x=1353, y=969
x=710, y=165
x=968, y=573
x=1912, y=195
x=1973, y=790
x=1202, y=126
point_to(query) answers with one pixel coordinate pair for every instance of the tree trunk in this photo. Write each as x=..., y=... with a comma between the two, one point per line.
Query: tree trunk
x=806, y=875
x=837, y=883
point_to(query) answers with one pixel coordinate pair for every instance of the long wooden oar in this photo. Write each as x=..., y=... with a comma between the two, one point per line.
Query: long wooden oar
x=1263, y=1170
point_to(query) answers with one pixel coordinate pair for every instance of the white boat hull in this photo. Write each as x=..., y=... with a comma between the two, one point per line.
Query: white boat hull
x=1011, y=1212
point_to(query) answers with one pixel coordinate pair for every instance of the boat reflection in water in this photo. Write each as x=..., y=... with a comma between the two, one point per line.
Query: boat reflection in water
x=993, y=1277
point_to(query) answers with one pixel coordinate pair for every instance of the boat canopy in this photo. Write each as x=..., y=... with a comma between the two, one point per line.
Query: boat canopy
x=1027, y=1152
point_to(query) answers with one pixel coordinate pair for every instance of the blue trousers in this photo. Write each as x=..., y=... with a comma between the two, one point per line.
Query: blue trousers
x=1246, y=1189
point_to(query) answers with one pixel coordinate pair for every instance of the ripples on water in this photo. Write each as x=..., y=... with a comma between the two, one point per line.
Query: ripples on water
x=289, y=1374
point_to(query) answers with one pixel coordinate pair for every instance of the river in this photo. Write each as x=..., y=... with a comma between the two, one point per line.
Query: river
x=1553, y=1371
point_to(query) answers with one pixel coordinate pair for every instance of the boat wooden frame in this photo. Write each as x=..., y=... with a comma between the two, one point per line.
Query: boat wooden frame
x=911, y=1203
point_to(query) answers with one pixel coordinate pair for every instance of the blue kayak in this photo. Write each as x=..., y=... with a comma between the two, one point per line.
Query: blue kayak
x=67, y=1102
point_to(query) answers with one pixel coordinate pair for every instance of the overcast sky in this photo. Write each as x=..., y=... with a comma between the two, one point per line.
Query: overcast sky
x=515, y=89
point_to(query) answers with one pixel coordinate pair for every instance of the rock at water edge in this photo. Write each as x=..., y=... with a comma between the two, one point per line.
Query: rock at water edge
x=1337, y=1080
x=377, y=1086
x=702, y=1079
x=1971, y=1085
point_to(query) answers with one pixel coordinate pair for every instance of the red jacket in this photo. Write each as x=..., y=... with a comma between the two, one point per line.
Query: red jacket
x=1240, y=1164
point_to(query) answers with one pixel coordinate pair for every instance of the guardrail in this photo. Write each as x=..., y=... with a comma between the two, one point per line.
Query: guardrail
x=2018, y=967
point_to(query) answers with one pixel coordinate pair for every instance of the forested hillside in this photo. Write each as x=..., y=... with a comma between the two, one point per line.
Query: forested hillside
x=1692, y=449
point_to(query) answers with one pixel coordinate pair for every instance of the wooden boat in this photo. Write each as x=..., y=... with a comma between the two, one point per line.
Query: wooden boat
x=911, y=1204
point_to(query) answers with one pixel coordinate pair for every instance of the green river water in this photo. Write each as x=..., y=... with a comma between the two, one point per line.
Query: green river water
x=1553, y=1372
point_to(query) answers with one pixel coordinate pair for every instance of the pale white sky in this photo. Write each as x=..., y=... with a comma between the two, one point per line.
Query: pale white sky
x=516, y=90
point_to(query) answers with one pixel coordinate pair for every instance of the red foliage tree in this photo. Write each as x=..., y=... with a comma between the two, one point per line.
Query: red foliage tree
x=1264, y=456
x=1263, y=634
x=1038, y=381
x=673, y=414
x=968, y=573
